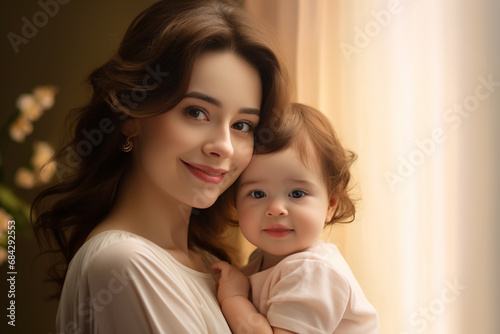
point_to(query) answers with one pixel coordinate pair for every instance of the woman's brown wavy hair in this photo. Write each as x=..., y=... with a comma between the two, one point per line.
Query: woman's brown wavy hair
x=148, y=75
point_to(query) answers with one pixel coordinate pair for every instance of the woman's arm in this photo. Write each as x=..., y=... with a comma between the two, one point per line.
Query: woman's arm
x=240, y=313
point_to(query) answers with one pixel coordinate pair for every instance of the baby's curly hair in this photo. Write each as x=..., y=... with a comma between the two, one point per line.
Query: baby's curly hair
x=311, y=134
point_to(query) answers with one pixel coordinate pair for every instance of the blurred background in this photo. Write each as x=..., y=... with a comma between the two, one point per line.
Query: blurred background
x=412, y=86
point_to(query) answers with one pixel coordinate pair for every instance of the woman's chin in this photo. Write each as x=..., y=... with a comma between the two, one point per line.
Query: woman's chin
x=204, y=203
x=203, y=206
x=204, y=198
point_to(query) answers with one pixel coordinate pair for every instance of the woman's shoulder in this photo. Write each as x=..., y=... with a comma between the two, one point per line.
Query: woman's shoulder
x=111, y=249
x=124, y=243
x=125, y=251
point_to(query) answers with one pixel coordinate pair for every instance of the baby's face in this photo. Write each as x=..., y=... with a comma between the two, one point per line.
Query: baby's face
x=282, y=204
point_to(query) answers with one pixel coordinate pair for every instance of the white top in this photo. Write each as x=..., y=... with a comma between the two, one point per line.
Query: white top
x=119, y=282
x=313, y=291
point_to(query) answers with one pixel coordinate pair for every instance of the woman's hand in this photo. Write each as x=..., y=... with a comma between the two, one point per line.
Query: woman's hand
x=232, y=282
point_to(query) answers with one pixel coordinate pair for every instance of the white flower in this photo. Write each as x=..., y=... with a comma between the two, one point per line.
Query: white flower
x=20, y=128
x=45, y=95
x=24, y=178
x=29, y=107
x=42, y=152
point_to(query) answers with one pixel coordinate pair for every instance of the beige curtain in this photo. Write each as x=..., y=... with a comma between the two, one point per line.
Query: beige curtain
x=413, y=87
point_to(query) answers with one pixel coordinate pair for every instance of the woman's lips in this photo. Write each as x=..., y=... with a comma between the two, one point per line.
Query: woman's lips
x=206, y=173
x=278, y=231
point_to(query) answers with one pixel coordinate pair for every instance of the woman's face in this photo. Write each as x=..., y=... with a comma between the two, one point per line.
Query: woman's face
x=194, y=151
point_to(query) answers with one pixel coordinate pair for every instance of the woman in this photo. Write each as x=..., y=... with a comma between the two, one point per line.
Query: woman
x=169, y=127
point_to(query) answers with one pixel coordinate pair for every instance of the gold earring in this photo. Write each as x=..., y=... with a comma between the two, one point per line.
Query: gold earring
x=128, y=145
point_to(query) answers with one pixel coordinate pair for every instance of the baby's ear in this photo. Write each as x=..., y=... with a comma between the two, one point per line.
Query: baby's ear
x=130, y=127
x=332, y=206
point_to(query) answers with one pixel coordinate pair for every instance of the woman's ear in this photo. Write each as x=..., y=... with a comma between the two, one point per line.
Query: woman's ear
x=130, y=127
x=332, y=207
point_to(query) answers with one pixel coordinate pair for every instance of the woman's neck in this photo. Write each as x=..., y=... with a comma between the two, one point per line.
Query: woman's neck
x=141, y=208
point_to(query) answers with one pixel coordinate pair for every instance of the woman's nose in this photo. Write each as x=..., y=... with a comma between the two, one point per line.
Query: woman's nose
x=220, y=144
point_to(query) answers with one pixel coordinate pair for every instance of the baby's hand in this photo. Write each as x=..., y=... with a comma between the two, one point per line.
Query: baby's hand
x=232, y=282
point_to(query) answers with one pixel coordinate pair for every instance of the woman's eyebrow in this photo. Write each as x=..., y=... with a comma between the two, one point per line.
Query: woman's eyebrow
x=206, y=98
x=251, y=111
x=217, y=103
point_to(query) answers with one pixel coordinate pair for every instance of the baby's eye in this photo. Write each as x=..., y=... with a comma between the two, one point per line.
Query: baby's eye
x=196, y=113
x=257, y=194
x=243, y=126
x=297, y=194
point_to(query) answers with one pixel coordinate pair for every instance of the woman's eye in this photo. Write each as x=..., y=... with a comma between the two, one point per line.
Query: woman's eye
x=257, y=194
x=196, y=113
x=243, y=126
x=297, y=194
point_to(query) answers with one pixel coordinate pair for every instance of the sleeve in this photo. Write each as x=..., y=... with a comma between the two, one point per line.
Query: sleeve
x=309, y=296
x=130, y=292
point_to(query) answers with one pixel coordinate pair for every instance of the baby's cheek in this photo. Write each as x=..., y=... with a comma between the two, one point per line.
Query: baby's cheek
x=312, y=221
x=249, y=225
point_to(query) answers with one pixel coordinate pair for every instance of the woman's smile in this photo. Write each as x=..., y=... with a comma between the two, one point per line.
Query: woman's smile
x=206, y=173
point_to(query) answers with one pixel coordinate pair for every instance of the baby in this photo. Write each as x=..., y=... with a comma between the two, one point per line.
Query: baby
x=291, y=190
